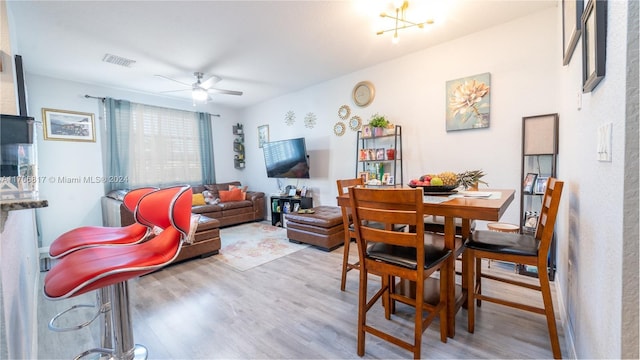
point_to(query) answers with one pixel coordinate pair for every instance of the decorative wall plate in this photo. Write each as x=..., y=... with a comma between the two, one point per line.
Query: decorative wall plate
x=310, y=120
x=344, y=112
x=290, y=117
x=355, y=123
x=339, y=128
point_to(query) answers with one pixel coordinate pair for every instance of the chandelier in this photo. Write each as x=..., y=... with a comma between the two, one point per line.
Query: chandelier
x=401, y=21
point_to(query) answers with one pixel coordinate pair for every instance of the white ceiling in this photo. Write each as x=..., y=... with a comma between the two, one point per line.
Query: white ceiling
x=263, y=48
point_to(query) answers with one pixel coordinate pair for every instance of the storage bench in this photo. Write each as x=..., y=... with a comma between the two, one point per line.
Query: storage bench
x=322, y=229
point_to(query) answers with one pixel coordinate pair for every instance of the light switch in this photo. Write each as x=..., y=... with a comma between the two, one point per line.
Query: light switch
x=579, y=100
x=604, y=142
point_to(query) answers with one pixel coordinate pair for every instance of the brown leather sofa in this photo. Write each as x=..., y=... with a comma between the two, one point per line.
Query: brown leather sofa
x=233, y=212
x=206, y=239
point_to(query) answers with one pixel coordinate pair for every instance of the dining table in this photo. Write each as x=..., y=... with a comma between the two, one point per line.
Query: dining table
x=486, y=205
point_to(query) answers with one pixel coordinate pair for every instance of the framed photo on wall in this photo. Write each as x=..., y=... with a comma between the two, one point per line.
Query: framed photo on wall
x=594, y=44
x=571, y=27
x=468, y=102
x=529, y=183
x=68, y=125
x=263, y=135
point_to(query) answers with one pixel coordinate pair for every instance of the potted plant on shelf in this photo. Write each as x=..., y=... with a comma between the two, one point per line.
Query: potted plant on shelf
x=379, y=123
x=470, y=179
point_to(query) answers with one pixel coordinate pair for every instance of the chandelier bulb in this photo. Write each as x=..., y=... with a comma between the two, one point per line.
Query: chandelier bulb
x=395, y=38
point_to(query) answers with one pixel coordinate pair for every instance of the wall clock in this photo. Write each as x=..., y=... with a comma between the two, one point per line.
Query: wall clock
x=363, y=93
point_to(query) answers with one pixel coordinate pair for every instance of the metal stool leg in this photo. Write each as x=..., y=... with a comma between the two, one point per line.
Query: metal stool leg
x=123, y=346
x=106, y=329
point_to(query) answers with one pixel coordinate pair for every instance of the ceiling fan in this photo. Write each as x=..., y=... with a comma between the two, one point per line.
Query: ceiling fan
x=201, y=90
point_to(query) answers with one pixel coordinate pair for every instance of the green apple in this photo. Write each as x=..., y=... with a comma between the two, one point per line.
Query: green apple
x=436, y=181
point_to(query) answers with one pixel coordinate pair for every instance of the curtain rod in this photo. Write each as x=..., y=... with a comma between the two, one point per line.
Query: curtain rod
x=103, y=99
x=94, y=97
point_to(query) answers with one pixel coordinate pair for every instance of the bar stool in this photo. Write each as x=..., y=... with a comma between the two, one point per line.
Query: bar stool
x=111, y=267
x=88, y=236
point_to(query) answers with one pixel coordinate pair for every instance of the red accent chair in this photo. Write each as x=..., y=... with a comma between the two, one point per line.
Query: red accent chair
x=98, y=267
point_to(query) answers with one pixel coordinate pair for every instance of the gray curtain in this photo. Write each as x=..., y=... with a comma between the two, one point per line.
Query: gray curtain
x=118, y=117
x=206, y=149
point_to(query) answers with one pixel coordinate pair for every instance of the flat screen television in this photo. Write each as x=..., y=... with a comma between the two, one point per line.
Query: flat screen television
x=286, y=159
x=16, y=129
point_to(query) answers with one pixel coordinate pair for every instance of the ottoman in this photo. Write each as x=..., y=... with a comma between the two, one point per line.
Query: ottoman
x=206, y=240
x=322, y=229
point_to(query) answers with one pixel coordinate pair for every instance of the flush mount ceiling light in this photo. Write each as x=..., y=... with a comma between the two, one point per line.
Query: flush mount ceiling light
x=401, y=21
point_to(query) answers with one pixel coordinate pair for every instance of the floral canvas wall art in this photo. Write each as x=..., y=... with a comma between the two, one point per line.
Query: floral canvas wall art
x=468, y=102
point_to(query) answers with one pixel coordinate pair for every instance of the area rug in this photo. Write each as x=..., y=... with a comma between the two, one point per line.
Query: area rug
x=249, y=245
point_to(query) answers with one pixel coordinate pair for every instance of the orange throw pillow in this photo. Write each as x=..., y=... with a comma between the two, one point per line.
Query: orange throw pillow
x=243, y=189
x=231, y=195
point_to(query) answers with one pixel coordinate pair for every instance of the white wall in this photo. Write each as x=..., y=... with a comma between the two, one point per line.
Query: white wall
x=590, y=222
x=73, y=205
x=411, y=92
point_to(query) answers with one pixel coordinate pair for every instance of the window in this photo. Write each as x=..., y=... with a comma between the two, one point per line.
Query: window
x=157, y=146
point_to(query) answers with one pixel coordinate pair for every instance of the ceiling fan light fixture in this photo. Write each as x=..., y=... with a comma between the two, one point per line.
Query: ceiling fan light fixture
x=199, y=94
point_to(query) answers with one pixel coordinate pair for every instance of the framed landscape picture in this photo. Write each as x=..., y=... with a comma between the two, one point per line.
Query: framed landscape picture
x=68, y=125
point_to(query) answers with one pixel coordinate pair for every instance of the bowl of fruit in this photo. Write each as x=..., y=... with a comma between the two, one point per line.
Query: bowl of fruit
x=444, y=182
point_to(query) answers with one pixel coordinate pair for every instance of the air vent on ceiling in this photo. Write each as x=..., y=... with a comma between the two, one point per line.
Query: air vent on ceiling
x=118, y=60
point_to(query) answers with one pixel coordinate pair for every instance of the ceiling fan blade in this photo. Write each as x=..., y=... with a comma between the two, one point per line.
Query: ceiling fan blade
x=226, y=92
x=210, y=82
x=170, y=91
x=178, y=81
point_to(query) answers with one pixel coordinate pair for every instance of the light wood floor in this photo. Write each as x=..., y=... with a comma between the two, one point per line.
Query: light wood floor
x=290, y=308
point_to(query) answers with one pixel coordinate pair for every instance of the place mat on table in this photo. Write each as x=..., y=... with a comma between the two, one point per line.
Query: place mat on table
x=489, y=195
x=432, y=199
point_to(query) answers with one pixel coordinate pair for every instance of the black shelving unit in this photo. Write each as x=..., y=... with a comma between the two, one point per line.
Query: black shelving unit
x=238, y=147
x=373, y=152
x=281, y=205
x=539, y=160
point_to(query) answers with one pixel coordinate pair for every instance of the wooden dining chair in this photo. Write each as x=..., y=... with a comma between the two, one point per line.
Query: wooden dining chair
x=349, y=232
x=394, y=254
x=521, y=249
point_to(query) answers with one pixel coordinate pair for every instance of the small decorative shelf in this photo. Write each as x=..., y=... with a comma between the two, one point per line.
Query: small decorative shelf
x=238, y=146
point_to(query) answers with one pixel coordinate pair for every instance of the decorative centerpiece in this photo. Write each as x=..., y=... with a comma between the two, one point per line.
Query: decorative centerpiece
x=470, y=179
